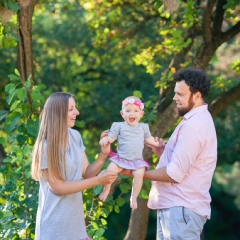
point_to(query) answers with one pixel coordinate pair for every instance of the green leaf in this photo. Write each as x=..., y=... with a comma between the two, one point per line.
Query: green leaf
x=7, y=214
x=26, y=109
x=17, y=72
x=177, y=33
x=137, y=94
x=143, y=193
x=22, y=128
x=103, y=221
x=6, y=160
x=39, y=87
x=28, y=83
x=15, y=36
x=22, y=93
x=124, y=187
x=3, y=114
x=91, y=232
x=30, y=203
x=32, y=127
x=14, y=105
x=21, y=139
x=120, y=201
x=13, y=77
x=116, y=209
x=36, y=96
x=97, y=190
x=10, y=87
x=27, y=150
x=11, y=121
x=11, y=96
x=99, y=232
x=2, y=141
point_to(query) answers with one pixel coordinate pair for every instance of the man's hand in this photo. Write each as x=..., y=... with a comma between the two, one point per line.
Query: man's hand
x=126, y=172
x=158, y=150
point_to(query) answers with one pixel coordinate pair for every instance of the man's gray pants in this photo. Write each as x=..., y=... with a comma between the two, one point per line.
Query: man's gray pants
x=179, y=223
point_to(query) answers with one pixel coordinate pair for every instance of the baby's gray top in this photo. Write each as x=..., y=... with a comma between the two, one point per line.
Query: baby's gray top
x=130, y=139
x=62, y=217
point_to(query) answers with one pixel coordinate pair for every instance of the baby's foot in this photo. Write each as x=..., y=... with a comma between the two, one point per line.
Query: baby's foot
x=133, y=203
x=103, y=196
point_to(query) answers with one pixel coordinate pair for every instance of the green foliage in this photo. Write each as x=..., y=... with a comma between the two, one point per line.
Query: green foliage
x=103, y=51
x=8, y=26
x=19, y=193
x=97, y=212
x=231, y=8
x=226, y=177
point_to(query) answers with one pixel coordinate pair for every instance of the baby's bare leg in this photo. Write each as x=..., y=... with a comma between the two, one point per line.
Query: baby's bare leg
x=137, y=185
x=112, y=167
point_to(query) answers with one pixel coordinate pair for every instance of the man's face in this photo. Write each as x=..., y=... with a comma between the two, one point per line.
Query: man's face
x=183, y=98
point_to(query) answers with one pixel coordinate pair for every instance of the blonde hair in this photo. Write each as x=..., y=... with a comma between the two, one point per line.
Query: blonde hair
x=52, y=137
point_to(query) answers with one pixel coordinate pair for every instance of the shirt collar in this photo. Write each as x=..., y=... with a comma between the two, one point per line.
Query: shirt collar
x=195, y=110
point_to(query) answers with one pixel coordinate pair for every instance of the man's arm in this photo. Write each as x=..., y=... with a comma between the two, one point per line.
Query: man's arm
x=159, y=175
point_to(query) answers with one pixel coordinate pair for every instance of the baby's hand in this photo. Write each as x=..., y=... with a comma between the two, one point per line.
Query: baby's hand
x=104, y=142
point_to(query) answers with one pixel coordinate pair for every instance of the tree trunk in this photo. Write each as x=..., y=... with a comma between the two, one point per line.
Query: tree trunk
x=25, y=54
x=138, y=231
x=2, y=155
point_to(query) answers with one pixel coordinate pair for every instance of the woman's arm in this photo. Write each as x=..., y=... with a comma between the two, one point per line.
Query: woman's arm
x=62, y=187
x=93, y=169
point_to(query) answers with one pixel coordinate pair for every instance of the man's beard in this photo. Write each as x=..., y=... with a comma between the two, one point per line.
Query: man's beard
x=183, y=111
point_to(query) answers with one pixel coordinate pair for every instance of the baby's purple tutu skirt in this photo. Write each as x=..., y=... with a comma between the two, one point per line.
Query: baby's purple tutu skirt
x=131, y=165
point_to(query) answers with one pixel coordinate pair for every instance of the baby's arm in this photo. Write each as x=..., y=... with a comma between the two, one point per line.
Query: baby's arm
x=105, y=140
x=153, y=142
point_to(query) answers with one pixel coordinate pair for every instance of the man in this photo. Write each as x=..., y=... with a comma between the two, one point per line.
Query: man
x=183, y=176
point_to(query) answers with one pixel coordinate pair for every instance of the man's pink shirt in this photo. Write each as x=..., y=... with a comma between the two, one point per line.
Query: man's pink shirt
x=190, y=157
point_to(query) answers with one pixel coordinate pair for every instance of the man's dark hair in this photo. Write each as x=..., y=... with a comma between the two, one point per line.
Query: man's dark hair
x=196, y=79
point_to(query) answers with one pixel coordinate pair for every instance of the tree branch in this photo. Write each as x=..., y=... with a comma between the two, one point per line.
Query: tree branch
x=231, y=32
x=218, y=18
x=227, y=98
x=207, y=33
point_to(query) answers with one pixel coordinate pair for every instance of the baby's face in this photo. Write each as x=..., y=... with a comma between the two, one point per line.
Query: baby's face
x=131, y=113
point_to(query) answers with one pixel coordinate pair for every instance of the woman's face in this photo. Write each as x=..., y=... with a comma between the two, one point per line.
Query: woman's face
x=72, y=112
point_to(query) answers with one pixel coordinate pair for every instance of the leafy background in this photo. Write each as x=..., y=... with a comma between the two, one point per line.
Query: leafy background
x=103, y=51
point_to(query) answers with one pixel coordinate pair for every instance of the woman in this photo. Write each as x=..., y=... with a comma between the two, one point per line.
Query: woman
x=61, y=166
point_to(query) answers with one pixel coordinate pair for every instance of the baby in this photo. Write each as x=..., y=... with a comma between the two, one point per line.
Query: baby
x=131, y=136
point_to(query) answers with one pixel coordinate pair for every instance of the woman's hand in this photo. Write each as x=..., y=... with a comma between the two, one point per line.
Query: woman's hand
x=107, y=177
x=158, y=150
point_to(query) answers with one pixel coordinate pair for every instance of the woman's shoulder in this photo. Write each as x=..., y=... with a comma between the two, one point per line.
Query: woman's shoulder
x=74, y=133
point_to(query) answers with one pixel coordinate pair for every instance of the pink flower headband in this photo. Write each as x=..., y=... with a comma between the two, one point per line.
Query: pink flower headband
x=137, y=102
